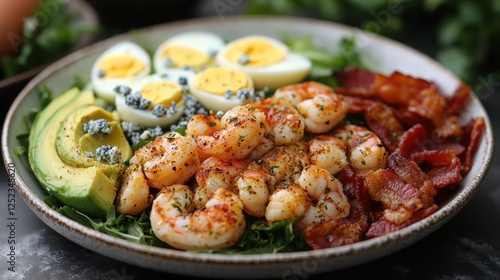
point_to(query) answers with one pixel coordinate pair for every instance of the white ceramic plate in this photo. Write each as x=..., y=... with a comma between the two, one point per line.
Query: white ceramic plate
x=386, y=54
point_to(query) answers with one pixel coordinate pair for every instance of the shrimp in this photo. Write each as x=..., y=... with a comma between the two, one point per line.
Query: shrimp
x=133, y=196
x=321, y=107
x=175, y=221
x=203, y=125
x=264, y=146
x=326, y=193
x=243, y=128
x=366, y=150
x=276, y=168
x=169, y=159
x=317, y=195
x=253, y=189
x=287, y=204
x=328, y=152
x=214, y=174
x=285, y=124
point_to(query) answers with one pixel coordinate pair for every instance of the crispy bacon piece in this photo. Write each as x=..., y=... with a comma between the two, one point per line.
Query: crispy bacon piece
x=399, y=89
x=414, y=139
x=458, y=148
x=385, y=186
x=354, y=189
x=359, y=105
x=357, y=82
x=410, y=173
x=434, y=158
x=450, y=127
x=381, y=120
x=383, y=227
x=443, y=176
x=457, y=102
x=429, y=104
x=338, y=232
x=473, y=133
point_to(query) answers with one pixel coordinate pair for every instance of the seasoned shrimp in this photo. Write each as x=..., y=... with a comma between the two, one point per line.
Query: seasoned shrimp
x=203, y=125
x=321, y=107
x=328, y=152
x=215, y=174
x=253, y=189
x=366, y=150
x=133, y=196
x=243, y=128
x=326, y=193
x=317, y=195
x=175, y=221
x=278, y=167
x=169, y=159
x=285, y=124
x=287, y=204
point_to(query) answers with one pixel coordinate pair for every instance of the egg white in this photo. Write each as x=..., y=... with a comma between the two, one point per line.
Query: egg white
x=215, y=102
x=145, y=117
x=205, y=42
x=104, y=87
x=293, y=69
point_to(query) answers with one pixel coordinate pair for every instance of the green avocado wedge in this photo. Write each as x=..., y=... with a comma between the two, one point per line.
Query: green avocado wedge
x=73, y=143
x=86, y=189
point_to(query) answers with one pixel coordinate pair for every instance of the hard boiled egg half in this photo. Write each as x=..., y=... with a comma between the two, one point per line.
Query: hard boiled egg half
x=191, y=49
x=221, y=88
x=266, y=60
x=158, y=100
x=122, y=64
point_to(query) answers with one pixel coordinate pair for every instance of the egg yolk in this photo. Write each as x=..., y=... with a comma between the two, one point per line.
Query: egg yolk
x=180, y=56
x=218, y=80
x=255, y=53
x=121, y=66
x=162, y=93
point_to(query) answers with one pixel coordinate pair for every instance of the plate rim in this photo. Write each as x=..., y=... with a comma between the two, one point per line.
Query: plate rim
x=369, y=246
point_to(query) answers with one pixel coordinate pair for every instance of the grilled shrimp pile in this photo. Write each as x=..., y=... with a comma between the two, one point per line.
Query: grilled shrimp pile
x=295, y=154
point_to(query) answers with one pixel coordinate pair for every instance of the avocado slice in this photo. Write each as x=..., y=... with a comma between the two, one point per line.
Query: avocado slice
x=87, y=189
x=73, y=143
x=53, y=106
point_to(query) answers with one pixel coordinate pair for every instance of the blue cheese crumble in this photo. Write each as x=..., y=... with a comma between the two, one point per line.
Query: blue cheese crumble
x=107, y=153
x=99, y=126
x=136, y=101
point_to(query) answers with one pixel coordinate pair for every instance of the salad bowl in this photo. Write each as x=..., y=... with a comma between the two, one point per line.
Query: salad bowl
x=387, y=55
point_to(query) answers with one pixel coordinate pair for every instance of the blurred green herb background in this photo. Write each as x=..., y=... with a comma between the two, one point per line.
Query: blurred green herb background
x=46, y=38
x=460, y=34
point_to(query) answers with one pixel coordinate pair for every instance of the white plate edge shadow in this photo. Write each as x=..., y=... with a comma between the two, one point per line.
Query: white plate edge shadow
x=233, y=265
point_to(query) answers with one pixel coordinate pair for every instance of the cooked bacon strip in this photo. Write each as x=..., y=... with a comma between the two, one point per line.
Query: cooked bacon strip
x=357, y=82
x=458, y=148
x=446, y=175
x=450, y=127
x=410, y=173
x=383, y=227
x=434, y=158
x=429, y=104
x=338, y=232
x=385, y=186
x=414, y=139
x=474, y=132
x=381, y=120
x=347, y=178
x=457, y=102
x=399, y=89
x=359, y=105
x=353, y=185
